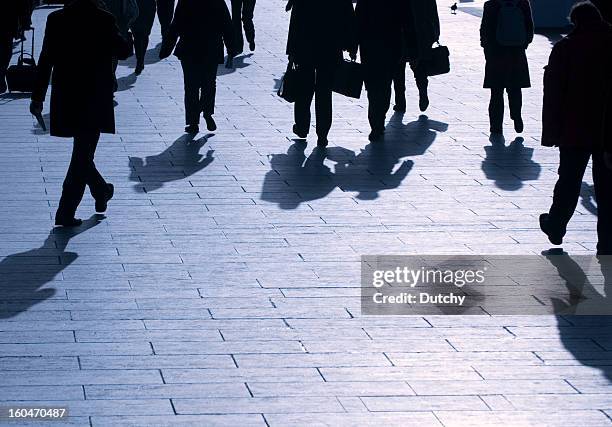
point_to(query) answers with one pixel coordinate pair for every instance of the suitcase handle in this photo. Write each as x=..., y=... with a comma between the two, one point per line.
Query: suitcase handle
x=23, y=54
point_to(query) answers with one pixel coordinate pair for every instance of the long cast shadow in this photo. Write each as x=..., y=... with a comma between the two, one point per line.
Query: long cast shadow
x=510, y=166
x=23, y=275
x=179, y=161
x=585, y=309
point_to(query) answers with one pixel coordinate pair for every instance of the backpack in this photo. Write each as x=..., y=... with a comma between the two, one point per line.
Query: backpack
x=511, y=28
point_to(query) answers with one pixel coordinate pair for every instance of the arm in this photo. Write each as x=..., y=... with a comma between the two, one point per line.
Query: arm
x=173, y=35
x=45, y=65
x=351, y=44
x=529, y=22
x=487, y=27
x=555, y=86
x=227, y=29
x=119, y=45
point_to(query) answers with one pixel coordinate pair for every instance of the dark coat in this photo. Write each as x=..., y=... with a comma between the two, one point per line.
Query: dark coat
x=506, y=66
x=14, y=16
x=320, y=30
x=82, y=67
x=201, y=27
x=146, y=17
x=381, y=28
x=577, y=86
x=124, y=11
x=605, y=7
x=423, y=28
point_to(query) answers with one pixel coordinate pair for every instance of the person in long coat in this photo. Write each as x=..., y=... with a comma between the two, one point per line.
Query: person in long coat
x=242, y=16
x=141, y=28
x=15, y=17
x=506, y=66
x=577, y=86
x=319, y=31
x=381, y=26
x=422, y=31
x=202, y=29
x=81, y=97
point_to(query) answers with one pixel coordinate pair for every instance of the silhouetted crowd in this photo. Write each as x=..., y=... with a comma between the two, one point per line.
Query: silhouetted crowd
x=388, y=35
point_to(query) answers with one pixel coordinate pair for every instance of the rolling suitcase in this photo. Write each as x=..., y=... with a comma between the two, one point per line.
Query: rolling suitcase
x=22, y=76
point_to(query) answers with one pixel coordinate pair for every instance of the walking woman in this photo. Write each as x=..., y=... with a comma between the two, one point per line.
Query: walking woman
x=141, y=28
x=505, y=34
x=318, y=33
x=201, y=28
x=422, y=30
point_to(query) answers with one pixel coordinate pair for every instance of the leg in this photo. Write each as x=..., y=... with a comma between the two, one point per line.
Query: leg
x=248, y=12
x=165, y=13
x=399, y=81
x=422, y=82
x=237, y=23
x=192, y=79
x=6, y=52
x=115, y=83
x=304, y=98
x=602, y=177
x=572, y=165
x=378, y=86
x=81, y=172
x=141, y=43
x=496, y=110
x=515, y=101
x=324, y=81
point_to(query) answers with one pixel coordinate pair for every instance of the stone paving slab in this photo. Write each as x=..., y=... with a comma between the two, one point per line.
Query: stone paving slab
x=222, y=288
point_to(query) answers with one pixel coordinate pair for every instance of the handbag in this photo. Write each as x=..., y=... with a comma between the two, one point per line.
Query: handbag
x=290, y=84
x=348, y=80
x=438, y=61
x=22, y=76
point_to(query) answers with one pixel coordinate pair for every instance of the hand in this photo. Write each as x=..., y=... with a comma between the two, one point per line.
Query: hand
x=608, y=159
x=165, y=51
x=36, y=108
x=353, y=55
x=229, y=64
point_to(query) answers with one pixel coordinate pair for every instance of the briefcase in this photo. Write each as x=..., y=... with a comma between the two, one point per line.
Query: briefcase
x=438, y=61
x=348, y=80
x=290, y=84
x=22, y=76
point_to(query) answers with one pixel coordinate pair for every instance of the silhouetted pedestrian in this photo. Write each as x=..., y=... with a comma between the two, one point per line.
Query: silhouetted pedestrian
x=605, y=7
x=242, y=15
x=201, y=29
x=165, y=14
x=577, y=86
x=506, y=32
x=125, y=13
x=318, y=33
x=141, y=28
x=381, y=26
x=14, y=18
x=422, y=31
x=81, y=97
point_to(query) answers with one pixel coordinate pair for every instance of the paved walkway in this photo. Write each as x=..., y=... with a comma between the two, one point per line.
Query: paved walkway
x=223, y=287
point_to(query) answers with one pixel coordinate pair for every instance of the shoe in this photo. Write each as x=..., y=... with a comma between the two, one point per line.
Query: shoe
x=400, y=107
x=519, y=125
x=300, y=133
x=210, y=123
x=322, y=142
x=423, y=102
x=252, y=46
x=376, y=135
x=192, y=129
x=102, y=204
x=555, y=237
x=67, y=222
x=139, y=69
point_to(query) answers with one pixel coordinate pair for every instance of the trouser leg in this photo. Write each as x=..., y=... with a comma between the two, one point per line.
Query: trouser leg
x=165, y=13
x=496, y=109
x=304, y=97
x=378, y=85
x=421, y=78
x=209, y=88
x=237, y=6
x=248, y=11
x=82, y=172
x=602, y=178
x=399, y=82
x=141, y=44
x=515, y=102
x=572, y=165
x=192, y=77
x=6, y=52
x=323, y=98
